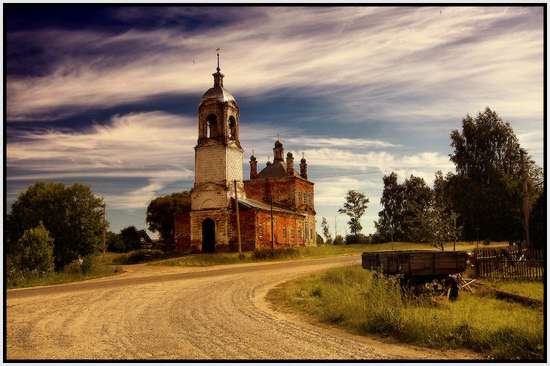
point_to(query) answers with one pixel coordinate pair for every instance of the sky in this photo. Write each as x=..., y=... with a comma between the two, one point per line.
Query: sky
x=107, y=96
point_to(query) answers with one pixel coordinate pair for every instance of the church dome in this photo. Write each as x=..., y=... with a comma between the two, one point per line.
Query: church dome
x=217, y=94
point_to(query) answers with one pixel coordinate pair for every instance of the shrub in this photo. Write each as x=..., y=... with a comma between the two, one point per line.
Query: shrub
x=338, y=240
x=34, y=251
x=276, y=253
x=357, y=239
x=139, y=256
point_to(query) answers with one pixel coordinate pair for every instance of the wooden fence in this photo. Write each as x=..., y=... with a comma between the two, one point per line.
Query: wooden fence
x=509, y=263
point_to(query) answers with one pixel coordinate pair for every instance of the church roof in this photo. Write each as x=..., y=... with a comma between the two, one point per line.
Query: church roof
x=249, y=203
x=217, y=94
x=275, y=170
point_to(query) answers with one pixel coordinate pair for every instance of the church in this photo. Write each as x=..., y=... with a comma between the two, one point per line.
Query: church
x=275, y=205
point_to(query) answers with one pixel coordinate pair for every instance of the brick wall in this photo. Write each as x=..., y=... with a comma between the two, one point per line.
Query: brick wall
x=182, y=232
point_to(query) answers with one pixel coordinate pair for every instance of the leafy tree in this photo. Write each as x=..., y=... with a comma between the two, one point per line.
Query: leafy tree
x=486, y=190
x=72, y=215
x=537, y=222
x=390, y=219
x=114, y=243
x=326, y=231
x=416, y=201
x=161, y=214
x=130, y=237
x=34, y=251
x=355, y=206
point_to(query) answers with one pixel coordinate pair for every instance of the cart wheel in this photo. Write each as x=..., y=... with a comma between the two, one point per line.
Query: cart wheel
x=453, y=292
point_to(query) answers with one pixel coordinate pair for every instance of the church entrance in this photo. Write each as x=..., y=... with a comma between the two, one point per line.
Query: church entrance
x=208, y=236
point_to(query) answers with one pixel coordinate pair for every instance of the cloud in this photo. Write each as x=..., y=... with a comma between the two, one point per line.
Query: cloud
x=406, y=63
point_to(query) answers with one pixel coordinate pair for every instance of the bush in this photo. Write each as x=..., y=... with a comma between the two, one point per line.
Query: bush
x=338, y=240
x=276, y=253
x=115, y=243
x=139, y=256
x=34, y=251
x=357, y=239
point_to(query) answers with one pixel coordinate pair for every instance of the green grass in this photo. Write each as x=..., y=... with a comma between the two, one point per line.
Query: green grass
x=101, y=268
x=358, y=301
x=319, y=251
x=531, y=289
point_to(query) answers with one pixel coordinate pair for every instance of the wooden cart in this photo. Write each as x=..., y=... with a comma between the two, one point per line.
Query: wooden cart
x=416, y=268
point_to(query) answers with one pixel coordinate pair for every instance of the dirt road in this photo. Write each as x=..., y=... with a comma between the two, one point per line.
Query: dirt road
x=157, y=312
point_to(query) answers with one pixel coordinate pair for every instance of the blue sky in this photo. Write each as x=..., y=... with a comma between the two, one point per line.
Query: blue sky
x=108, y=96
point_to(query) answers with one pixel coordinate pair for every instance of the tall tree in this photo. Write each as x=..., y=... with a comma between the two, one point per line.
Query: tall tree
x=486, y=190
x=355, y=206
x=326, y=231
x=72, y=215
x=417, y=197
x=161, y=214
x=390, y=219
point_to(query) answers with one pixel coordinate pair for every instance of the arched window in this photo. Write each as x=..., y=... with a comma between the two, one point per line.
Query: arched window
x=211, y=125
x=232, y=128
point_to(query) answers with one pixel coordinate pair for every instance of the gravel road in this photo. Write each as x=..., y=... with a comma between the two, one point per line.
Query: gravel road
x=154, y=312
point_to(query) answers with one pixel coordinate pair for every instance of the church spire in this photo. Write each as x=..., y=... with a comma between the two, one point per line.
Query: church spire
x=218, y=76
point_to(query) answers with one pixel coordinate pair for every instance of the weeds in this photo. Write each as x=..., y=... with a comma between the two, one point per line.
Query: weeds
x=363, y=303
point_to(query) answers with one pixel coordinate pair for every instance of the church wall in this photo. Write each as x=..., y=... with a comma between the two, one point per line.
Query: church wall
x=288, y=230
x=222, y=219
x=234, y=164
x=182, y=231
x=210, y=164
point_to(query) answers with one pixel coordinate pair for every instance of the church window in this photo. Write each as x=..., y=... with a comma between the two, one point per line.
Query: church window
x=212, y=124
x=284, y=233
x=232, y=128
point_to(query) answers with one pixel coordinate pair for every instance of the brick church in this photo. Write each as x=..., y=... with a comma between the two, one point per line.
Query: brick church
x=276, y=205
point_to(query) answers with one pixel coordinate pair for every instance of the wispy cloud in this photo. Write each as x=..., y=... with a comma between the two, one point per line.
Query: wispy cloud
x=401, y=63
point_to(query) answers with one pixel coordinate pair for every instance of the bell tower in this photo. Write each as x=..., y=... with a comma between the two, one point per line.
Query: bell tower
x=218, y=163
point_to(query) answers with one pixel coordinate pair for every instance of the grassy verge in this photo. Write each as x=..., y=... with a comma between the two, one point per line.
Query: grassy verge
x=320, y=251
x=531, y=289
x=358, y=301
x=101, y=267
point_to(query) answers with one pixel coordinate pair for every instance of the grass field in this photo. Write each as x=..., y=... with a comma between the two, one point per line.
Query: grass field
x=101, y=267
x=304, y=252
x=356, y=300
x=531, y=289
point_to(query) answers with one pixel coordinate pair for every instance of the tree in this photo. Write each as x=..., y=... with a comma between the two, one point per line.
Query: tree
x=486, y=189
x=355, y=207
x=320, y=239
x=34, y=251
x=537, y=222
x=417, y=196
x=438, y=226
x=114, y=243
x=72, y=215
x=390, y=219
x=326, y=231
x=130, y=237
x=161, y=214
